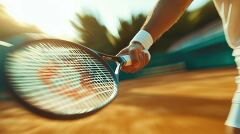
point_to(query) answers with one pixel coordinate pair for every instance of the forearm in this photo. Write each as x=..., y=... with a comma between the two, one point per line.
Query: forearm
x=164, y=15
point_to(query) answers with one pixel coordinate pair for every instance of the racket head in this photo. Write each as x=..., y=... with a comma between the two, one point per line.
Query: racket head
x=20, y=96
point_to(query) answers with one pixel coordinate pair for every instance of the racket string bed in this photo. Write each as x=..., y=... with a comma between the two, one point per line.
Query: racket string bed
x=60, y=78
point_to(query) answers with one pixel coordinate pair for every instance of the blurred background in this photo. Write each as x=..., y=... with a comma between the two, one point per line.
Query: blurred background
x=191, y=60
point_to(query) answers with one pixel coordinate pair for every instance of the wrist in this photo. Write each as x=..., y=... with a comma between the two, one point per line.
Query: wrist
x=144, y=38
x=135, y=44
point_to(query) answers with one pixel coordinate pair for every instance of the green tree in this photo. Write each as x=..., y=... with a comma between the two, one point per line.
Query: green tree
x=93, y=34
x=128, y=29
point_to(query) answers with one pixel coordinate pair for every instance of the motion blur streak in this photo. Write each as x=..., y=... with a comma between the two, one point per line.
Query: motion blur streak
x=171, y=104
x=53, y=16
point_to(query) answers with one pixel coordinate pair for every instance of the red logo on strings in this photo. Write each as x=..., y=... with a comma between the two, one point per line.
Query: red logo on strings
x=51, y=71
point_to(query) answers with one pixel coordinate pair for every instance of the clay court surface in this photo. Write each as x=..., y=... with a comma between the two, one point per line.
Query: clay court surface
x=184, y=103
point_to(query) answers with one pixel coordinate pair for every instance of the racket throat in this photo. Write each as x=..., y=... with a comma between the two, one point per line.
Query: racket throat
x=118, y=60
x=112, y=58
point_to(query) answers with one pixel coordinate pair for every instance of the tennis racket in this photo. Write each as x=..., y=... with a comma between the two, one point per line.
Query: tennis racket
x=60, y=79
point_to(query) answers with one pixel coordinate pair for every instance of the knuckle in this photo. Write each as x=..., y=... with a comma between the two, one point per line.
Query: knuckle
x=136, y=64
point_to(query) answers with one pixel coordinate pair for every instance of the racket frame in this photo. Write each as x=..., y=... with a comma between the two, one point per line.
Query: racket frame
x=50, y=115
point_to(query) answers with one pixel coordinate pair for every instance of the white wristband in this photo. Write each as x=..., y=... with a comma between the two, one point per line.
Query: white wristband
x=144, y=38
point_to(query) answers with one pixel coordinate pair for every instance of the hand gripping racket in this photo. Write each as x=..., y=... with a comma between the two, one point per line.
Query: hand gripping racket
x=61, y=79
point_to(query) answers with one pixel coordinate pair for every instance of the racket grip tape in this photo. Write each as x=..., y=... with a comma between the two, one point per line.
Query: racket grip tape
x=127, y=60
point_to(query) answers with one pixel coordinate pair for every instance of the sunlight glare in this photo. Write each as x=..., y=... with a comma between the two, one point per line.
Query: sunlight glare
x=51, y=16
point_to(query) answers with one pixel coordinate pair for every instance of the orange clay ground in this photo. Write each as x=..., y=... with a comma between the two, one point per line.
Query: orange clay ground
x=184, y=103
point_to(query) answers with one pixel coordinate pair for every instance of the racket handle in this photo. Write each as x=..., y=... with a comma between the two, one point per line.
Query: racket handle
x=127, y=60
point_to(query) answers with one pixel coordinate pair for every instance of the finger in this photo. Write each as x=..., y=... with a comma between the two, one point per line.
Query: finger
x=135, y=56
x=145, y=58
x=141, y=60
x=138, y=57
x=123, y=52
x=137, y=61
x=128, y=69
x=147, y=52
